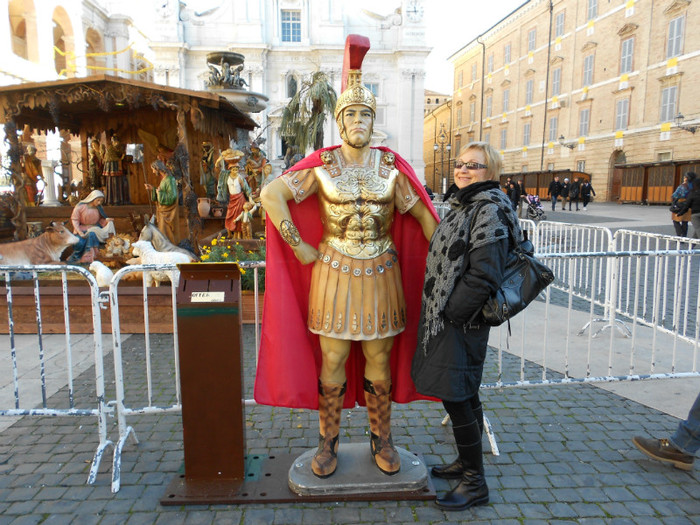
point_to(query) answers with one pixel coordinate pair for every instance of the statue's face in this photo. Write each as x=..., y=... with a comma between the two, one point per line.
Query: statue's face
x=356, y=125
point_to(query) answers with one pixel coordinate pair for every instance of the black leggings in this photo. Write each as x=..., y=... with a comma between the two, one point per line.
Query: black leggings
x=467, y=424
x=465, y=412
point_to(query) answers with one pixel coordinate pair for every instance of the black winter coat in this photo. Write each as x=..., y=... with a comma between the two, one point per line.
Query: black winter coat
x=514, y=195
x=452, y=365
x=692, y=203
x=575, y=190
x=554, y=188
x=586, y=190
x=565, y=190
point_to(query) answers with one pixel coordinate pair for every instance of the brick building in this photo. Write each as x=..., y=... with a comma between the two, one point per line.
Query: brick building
x=594, y=86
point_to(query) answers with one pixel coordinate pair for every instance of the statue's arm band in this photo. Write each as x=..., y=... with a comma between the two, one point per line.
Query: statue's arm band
x=289, y=233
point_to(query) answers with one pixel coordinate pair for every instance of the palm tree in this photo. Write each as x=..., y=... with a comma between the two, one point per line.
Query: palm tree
x=305, y=115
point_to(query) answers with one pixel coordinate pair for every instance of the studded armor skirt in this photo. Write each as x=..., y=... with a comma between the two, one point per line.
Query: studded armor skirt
x=356, y=299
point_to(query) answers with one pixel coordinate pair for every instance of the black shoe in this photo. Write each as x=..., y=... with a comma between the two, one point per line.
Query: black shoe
x=471, y=491
x=662, y=450
x=452, y=471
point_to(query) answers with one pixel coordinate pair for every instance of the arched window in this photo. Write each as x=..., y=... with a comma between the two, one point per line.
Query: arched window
x=93, y=46
x=17, y=11
x=63, y=41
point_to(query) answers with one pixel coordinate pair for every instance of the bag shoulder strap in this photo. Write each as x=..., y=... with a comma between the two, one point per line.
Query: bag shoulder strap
x=515, y=243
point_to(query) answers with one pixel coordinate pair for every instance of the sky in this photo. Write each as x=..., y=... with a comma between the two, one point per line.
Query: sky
x=450, y=25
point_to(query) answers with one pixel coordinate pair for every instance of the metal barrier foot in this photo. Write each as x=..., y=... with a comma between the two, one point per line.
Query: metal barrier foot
x=620, y=325
x=492, y=437
x=96, y=461
x=117, y=461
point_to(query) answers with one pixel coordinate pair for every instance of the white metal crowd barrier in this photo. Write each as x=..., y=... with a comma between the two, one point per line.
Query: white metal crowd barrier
x=52, y=368
x=548, y=345
x=548, y=334
x=126, y=408
x=675, y=277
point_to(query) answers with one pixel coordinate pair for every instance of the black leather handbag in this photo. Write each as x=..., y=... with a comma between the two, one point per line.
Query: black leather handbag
x=676, y=206
x=523, y=280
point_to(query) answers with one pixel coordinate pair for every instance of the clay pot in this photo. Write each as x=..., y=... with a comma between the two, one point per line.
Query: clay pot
x=203, y=206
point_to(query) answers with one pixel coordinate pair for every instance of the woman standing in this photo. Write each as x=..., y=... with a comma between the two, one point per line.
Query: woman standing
x=464, y=268
x=235, y=188
x=680, y=221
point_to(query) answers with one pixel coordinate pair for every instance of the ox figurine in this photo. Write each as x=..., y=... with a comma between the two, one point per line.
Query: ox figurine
x=44, y=249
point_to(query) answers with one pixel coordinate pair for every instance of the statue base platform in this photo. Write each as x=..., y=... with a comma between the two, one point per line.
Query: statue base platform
x=287, y=478
x=357, y=474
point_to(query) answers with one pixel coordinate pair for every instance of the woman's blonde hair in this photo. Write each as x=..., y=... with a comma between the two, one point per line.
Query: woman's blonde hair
x=493, y=158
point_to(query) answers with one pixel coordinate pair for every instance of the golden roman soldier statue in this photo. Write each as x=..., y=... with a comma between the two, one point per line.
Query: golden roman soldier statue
x=348, y=254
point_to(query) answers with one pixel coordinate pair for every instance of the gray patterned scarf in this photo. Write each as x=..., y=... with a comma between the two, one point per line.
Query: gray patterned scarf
x=452, y=241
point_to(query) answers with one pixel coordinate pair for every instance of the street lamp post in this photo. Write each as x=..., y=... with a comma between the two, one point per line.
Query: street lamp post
x=443, y=145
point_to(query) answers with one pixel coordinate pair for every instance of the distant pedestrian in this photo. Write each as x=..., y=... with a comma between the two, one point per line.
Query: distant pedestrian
x=523, y=195
x=554, y=191
x=574, y=192
x=565, y=193
x=693, y=204
x=681, y=447
x=506, y=186
x=513, y=193
x=586, y=190
x=680, y=222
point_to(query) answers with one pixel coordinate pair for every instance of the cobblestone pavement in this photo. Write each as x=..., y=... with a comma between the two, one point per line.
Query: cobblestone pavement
x=565, y=457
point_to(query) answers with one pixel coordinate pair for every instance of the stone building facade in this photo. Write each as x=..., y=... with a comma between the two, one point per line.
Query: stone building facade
x=582, y=85
x=283, y=41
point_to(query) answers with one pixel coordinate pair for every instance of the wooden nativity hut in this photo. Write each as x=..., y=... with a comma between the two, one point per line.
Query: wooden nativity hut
x=157, y=121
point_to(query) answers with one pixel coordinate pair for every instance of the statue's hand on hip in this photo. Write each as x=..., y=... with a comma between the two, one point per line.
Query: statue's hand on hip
x=305, y=253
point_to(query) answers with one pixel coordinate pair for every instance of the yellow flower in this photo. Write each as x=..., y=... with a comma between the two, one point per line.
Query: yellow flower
x=242, y=271
x=225, y=254
x=213, y=242
x=205, y=257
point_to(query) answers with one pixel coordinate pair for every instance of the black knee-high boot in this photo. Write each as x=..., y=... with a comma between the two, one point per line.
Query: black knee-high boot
x=472, y=489
x=455, y=470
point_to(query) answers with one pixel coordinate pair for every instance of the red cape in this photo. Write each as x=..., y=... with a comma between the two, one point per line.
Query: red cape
x=289, y=361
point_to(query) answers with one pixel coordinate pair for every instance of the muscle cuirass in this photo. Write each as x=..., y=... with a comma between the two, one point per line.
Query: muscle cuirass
x=357, y=204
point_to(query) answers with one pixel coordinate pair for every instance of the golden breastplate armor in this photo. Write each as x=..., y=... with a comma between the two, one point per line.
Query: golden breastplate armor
x=357, y=204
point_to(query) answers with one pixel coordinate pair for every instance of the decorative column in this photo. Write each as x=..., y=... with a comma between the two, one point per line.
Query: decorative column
x=47, y=168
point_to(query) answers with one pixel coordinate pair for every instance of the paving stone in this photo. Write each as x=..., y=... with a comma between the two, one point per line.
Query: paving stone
x=565, y=458
x=258, y=517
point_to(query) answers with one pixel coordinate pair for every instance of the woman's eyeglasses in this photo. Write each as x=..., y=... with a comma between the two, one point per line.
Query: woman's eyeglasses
x=469, y=165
